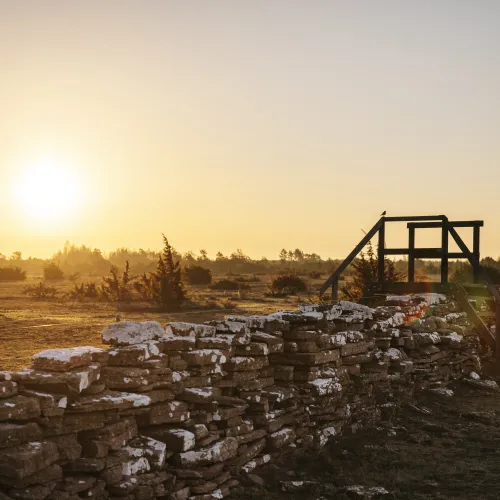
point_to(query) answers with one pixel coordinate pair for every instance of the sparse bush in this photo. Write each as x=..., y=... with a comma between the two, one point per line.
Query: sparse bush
x=229, y=285
x=288, y=284
x=52, y=271
x=314, y=275
x=116, y=288
x=197, y=275
x=12, y=274
x=40, y=291
x=86, y=290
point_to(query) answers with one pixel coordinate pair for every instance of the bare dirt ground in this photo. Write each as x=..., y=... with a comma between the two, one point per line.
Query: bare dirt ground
x=453, y=452
x=28, y=326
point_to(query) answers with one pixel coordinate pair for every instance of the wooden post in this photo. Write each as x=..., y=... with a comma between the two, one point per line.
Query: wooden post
x=476, y=253
x=335, y=291
x=444, y=249
x=497, y=331
x=411, y=254
x=381, y=253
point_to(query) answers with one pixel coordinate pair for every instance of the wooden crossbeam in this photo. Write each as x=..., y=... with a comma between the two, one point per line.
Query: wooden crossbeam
x=415, y=218
x=457, y=223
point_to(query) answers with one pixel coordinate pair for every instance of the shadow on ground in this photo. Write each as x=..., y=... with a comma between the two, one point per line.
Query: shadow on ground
x=441, y=448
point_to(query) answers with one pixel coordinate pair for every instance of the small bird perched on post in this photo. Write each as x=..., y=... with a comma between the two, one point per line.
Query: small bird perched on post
x=383, y=213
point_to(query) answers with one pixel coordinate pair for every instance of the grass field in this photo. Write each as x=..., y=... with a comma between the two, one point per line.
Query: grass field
x=28, y=325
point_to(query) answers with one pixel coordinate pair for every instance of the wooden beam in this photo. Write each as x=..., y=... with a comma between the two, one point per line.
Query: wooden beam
x=335, y=291
x=415, y=218
x=380, y=252
x=350, y=257
x=475, y=251
x=418, y=253
x=411, y=255
x=444, y=253
x=457, y=223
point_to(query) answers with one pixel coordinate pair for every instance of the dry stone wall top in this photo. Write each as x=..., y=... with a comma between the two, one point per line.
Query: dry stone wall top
x=182, y=411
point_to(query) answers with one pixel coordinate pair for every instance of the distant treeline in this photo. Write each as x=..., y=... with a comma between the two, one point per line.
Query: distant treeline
x=92, y=261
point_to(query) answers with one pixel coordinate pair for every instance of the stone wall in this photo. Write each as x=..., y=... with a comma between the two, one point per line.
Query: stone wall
x=184, y=411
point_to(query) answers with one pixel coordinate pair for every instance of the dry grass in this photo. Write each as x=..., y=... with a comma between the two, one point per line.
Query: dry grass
x=28, y=326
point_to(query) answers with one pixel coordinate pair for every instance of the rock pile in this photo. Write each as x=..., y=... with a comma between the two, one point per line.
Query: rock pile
x=182, y=411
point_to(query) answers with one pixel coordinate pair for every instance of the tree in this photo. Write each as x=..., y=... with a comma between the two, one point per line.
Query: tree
x=298, y=255
x=365, y=272
x=283, y=255
x=164, y=286
x=17, y=255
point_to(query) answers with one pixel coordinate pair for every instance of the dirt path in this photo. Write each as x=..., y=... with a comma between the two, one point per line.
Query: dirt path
x=452, y=452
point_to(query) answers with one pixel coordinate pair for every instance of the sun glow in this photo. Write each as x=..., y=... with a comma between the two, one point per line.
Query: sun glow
x=48, y=192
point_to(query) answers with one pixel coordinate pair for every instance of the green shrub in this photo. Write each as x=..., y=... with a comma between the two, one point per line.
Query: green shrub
x=197, y=275
x=229, y=285
x=288, y=284
x=12, y=274
x=52, y=271
x=40, y=291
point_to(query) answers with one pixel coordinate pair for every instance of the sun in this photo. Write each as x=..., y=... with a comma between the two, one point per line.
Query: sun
x=48, y=192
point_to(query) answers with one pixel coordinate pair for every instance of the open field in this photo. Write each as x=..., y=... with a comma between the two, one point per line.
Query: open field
x=28, y=325
x=449, y=453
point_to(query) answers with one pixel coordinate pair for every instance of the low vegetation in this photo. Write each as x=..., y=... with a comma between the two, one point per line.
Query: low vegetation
x=12, y=274
x=52, y=271
x=197, y=275
x=287, y=284
x=40, y=291
x=229, y=285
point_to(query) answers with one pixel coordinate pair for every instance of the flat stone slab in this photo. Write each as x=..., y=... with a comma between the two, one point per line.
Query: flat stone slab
x=129, y=332
x=62, y=360
x=27, y=459
x=219, y=452
x=69, y=383
x=182, y=329
x=15, y=434
x=19, y=408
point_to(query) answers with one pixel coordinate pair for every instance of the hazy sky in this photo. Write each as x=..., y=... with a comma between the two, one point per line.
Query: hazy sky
x=247, y=124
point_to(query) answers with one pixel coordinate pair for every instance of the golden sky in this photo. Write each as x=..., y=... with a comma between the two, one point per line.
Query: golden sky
x=255, y=125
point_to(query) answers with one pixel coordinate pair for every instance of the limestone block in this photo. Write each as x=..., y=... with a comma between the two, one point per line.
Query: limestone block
x=26, y=459
x=180, y=329
x=219, y=452
x=19, y=408
x=15, y=434
x=129, y=332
